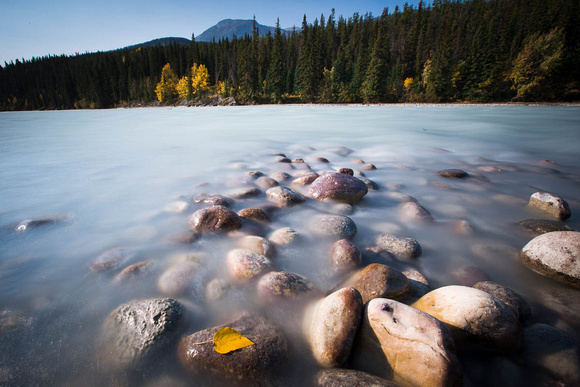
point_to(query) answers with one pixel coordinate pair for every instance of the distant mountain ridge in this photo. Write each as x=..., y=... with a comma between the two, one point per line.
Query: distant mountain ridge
x=228, y=28
x=159, y=42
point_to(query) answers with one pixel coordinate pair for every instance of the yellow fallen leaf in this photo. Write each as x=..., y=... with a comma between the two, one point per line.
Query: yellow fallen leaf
x=227, y=339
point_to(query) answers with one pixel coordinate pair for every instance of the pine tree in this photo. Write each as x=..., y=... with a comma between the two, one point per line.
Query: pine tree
x=275, y=85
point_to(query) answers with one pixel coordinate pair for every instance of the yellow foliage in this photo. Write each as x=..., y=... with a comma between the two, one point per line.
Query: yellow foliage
x=199, y=79
x=227, y=339
x=409, y=83
x=167, y=87
x=182, y=87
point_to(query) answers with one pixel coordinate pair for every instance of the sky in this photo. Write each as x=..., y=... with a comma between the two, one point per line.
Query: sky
x=36, y=28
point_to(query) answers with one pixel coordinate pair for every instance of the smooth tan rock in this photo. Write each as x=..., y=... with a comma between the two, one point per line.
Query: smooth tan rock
x=258, y=245
x=214, y=219
x=339, y=187
x=377, y=281
x=475, y=318
x=344, y=256
x=555, y=255
x=283, y=236
x=332, y=325
x=284, y=196
x=277, y=285
x=261, y=364
x=410, y=347
x=244, y=265
x=551, y=204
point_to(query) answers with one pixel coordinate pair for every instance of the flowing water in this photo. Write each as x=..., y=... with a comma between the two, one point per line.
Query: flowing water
x=108, y=175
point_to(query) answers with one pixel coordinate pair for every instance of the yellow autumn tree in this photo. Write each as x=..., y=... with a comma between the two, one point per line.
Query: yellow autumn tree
x=184, y=88
x=199, y=80
x=166, y=89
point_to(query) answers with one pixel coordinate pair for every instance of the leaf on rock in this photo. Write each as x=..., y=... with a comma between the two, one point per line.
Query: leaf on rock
x=227, y=339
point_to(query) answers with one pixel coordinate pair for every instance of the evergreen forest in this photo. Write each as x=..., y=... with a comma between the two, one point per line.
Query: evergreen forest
x=444, y=51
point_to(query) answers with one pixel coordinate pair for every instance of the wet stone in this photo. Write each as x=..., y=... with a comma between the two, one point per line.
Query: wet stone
x=283, y=236
x=244, y=265
x=339, y=187
x=112, y=258
x=246, y=193
x=555, y=255
x=368, y=167
x=331, y=326
x=550, y=204
x=419, y=286
x=376, y=281
x=254, y=174
x=255, y=214
x=216, y=289
x=32, y=223
x=469, y=275
x=405, y=248
x=133, y=270
x=453, y=173
x=261, y=364
x=215, y=200
x=322, y=160
x=281, y=176
x=278, y=285
x=284, y=196
x=415, y=212
x=137, y=328
x=344, y=256
x=338, y=226
x=282, y=159
x=265, y=182
x=508, y=297
x=304, y=180
x=476, y=319
x=346, y=171
x=371, y=185
x=179, y=279
x=542, y=226
x=258, y=245
x=214, y=219
x=340, y=377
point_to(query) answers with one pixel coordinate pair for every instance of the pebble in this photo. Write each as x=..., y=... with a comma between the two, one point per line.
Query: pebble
x=400, y=247
x=344, y=257
x=377, y=281
x=555, y=255
x=215, y=200
x=283, y=236
x=453, y=173
x=214, y=219
x=179, y=279
x=341, y=377
x=284, y=196
x=244, y=265
x=508, y=297
x=415, y=212
x=247, y=193
x=258, y=245
x=277, y=285
x=543, y=226
x=112, y=258
x=339, y=187
x=265, y=182
x=255, y=214
x=346, y=171
x=338, y=226
x=133, y=270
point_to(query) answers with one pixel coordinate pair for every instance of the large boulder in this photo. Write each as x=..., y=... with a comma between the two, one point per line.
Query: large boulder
x=551, y=204
x=377, y=281
x=555, y=255
x=214, y=219
x=137, y=328
x=332, y=325
x=260, y=364
x=475, y=318
x=401, y=343
x=339, y=187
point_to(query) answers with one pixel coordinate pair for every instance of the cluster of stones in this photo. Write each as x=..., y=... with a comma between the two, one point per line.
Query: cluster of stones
x=377, y=326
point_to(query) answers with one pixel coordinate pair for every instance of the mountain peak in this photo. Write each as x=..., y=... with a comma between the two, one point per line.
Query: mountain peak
x=228, y=28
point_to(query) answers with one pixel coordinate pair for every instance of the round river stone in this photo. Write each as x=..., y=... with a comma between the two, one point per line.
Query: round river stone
x=338, y=186
x=214, y=219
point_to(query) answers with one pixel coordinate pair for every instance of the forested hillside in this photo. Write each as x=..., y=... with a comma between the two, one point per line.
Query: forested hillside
x=447, y=51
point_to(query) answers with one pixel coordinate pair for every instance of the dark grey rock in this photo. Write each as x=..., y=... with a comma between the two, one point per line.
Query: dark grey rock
x=508, y=296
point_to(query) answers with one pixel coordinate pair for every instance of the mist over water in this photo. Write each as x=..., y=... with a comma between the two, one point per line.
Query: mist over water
x=109, y=174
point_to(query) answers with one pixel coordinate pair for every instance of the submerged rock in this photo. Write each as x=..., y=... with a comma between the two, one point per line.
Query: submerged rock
x=413, y=211
x=551, y=204
x=453, y=173
x=284, y=196
x=340, y=377
x=469, y=275
x=555, y=255
x=255, y=214
x=476, y=319
x=283, y=236
x=133, y=270
x=112, y=258
x=258, y=245
x=543, y=226
x=344, y=256
x=32, y=223
x=339, y=187
x=332, y=325
x=283, y=285
x=265, y=182
x=244, y=265
x=215, y=200
x=405, y=248
x=179, y=279
x=246, y=193
x=261, y=364
x=378, y=281
x=508, y=297
x=338, y=226
x=410, y=347
x=135, y=329
x=214, y=219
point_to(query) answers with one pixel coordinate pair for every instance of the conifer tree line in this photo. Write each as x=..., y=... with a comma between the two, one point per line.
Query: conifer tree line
x=446, y=51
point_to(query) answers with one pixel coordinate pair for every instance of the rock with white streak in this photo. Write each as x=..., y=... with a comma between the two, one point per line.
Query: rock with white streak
x=550, y=204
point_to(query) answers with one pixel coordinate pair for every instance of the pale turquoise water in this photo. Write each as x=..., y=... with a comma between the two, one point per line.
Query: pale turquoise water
x=113, y=171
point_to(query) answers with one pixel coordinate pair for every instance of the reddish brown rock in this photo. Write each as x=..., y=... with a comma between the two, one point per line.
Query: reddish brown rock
x=214, y=219
x=284, y=196
x=376, y=281
x=339, y=187
x=256, y=214
x=344, y=256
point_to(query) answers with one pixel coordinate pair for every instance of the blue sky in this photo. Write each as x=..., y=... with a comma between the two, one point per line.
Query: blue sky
x=33, y=28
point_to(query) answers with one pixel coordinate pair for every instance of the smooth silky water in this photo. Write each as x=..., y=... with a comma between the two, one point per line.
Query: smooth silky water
x=110, y=173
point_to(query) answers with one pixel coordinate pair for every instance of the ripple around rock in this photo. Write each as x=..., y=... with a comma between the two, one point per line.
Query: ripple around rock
x=284, y=196
x=339, y=187
x=551, y=204
x=339, y=377
x=338, y=226
x=377, y=281
x=475, y=318
x=406, y=248
x=332, y=325
x=214, y=219
x=555, y=255
x=136, y=328
x=261, y=364
x=410, y=347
